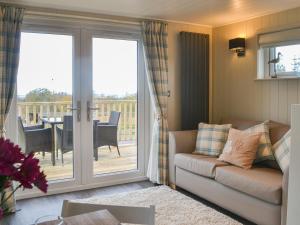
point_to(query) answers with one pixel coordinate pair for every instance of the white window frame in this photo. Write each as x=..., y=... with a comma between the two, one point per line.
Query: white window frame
x=267, y=41
x=266, y=70
x=285, y=74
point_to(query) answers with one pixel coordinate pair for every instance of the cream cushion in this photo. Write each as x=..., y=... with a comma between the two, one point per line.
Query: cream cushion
x=198, y=164
x=262, y=183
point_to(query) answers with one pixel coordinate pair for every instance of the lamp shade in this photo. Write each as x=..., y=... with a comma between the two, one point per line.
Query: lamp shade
x=237, y=44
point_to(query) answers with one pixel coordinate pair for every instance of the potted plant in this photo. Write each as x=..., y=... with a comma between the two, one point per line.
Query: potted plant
x=18, y=167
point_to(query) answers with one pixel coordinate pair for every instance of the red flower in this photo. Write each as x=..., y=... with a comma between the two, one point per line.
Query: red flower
x=10, y=155
x=28, y=172
x=41, y=182
x=15, y=166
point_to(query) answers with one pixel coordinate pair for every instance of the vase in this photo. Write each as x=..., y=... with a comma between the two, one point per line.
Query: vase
x=10, y=204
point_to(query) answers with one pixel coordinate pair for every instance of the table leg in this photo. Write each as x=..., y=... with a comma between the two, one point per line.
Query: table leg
x=53, y=144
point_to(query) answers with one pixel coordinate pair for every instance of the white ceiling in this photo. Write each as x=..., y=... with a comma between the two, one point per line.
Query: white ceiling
x=205, y=12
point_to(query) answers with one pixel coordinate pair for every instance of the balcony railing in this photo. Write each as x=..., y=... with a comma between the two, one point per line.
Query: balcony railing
x=30, y=112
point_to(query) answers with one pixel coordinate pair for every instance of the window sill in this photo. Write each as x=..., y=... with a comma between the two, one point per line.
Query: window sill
x=278, y=78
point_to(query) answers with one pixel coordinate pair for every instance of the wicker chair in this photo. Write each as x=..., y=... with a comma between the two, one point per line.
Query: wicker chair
x=106, y=134
x=35, y=138
x=65, y=136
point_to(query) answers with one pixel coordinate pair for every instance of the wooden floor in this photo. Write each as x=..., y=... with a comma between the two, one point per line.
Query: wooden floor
x=108, y=162
x=31, y=209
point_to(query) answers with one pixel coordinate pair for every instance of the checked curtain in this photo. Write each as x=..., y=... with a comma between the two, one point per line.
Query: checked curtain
x=10, y=34
x=155, y=48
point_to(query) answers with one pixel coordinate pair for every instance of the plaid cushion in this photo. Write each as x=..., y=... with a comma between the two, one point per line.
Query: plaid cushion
x=211, y=139
x=264, y=151
x=282, y=150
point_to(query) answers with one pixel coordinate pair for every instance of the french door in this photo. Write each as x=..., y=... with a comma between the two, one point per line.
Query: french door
x=114, y=93
x=81, y=105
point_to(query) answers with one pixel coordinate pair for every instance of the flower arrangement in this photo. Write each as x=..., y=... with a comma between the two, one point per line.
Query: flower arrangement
x=16, y=166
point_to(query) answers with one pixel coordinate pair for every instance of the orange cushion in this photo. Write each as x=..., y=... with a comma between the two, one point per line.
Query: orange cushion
x=240, y=148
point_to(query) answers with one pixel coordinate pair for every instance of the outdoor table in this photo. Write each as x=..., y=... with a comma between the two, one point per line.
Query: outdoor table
x=53, y=122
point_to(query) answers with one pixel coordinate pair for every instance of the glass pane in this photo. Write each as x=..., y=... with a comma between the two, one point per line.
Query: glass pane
x=115, y=100
x=44, y=99
x=289, y=59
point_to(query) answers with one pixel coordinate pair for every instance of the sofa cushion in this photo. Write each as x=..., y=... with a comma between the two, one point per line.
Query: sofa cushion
x=211, y=138
x=240, y=148
x=198, y=164
x=262, y=183
x=264, y=151
x=282, y=149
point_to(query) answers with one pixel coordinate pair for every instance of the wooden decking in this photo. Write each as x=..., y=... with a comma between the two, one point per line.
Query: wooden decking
x=109, y=162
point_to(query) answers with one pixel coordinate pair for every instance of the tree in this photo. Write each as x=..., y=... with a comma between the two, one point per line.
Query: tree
x=45, y=95
x=39, y=95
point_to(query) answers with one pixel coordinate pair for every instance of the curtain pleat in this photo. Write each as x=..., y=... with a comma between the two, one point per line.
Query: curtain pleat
x=155, y=48
x=10, y=34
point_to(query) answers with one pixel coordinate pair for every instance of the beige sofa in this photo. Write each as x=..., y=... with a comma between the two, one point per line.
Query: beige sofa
x=258, y=195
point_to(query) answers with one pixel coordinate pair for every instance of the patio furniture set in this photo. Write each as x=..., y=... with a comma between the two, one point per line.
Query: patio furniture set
x=39, y=138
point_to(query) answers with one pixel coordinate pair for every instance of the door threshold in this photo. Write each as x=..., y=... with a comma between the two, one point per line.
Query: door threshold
x=54, y=191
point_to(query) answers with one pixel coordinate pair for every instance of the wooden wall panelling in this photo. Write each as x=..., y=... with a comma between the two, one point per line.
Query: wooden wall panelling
x=292, y=97
x=236, y=93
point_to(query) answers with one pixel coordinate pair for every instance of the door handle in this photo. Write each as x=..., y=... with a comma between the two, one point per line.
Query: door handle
x=89, y=109
x=78, y=109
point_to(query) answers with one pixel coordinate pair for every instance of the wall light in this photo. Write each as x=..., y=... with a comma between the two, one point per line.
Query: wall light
x=238, y=45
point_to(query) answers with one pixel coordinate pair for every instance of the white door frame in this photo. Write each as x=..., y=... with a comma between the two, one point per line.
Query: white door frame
x=87, y=95
x=81, y=30
x=76, y=180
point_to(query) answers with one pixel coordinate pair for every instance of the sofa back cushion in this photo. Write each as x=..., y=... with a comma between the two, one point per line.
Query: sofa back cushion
x=240, y=124
x=276, y=129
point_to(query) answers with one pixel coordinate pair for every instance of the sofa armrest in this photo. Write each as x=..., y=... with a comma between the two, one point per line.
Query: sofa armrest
x=285, y=183
x=180, y=142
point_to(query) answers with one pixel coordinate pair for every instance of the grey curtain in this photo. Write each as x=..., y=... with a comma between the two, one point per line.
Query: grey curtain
x=194, y=79
x=10, y=34
x=155, y=48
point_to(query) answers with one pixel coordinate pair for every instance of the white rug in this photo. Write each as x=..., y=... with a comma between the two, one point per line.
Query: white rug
x=172, y=207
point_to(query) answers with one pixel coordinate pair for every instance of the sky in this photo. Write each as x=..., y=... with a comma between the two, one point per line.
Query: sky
x=289, y=53
x=46, y=62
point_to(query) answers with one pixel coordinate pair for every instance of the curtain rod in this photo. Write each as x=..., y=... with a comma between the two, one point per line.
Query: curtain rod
x=36, y=11
x=73, y=15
